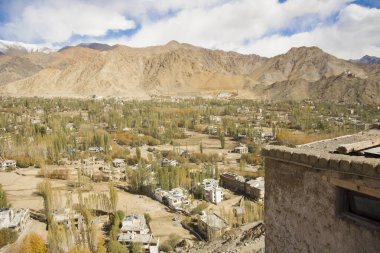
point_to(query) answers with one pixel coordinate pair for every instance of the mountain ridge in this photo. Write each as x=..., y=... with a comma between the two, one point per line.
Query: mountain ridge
x=177, y=68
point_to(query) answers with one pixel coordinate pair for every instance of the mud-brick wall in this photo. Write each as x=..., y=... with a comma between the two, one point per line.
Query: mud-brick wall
x=301, y=213
x=232, y=184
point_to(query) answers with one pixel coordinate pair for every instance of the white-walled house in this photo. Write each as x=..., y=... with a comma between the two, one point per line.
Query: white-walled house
x=8, y=164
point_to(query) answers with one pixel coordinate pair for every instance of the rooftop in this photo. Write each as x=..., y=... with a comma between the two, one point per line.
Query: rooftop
x=346, y=154
x=214, y=221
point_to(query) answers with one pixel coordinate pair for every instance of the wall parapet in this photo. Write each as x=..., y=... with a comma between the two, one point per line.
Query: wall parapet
x=317, y=159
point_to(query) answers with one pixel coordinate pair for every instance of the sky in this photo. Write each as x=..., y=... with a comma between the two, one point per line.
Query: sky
x=348, y=29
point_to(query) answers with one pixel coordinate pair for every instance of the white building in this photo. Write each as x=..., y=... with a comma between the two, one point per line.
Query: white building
x=17, y=221
x=8, y=164
x=177, y=199
x=215, y=118
x=65, y=217
x=256, y=188
x=118, y=163
x=208, y=182
x=214, y=194
x=159, y=194
x=95, y=149
x=168, y=162
x=241, y=149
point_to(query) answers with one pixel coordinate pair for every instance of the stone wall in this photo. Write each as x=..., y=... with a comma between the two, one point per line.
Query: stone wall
x=301, y=212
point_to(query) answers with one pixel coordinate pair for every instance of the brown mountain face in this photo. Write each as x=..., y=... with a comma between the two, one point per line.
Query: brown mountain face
x=183, y=69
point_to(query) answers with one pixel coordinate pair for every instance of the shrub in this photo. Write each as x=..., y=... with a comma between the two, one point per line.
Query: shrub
x=147, y=218
x=23, y=162
x=33, y=243
x=54, y=173
x=120, y=214
x=7, y=236
x=170, y=243
x=199, y=208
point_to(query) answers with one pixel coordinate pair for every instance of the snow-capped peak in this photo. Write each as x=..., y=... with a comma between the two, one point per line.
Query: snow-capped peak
x=6, y=46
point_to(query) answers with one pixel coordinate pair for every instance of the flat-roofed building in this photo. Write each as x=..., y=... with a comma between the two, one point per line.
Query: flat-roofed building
x=212, y=226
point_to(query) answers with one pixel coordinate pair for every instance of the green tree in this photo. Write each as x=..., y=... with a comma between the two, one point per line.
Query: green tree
x=147, y=217
x=3, y=198
x=113, y=197
x=135, y=247
x=222, y=140
x=116, y=247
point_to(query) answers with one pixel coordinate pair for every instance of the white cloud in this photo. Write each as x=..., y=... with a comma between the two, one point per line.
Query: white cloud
x=57, y=21
x=247, y=26
x=355, y=33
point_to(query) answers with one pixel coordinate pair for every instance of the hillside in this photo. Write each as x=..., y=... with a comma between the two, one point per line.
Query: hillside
x=183, y=69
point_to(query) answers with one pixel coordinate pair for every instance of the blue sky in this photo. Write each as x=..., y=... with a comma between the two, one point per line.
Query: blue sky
x=345, y=28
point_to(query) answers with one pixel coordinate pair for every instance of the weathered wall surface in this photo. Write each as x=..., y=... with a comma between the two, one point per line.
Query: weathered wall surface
x=301, y=208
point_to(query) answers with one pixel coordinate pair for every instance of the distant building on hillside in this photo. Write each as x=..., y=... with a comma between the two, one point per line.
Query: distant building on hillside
x=324, y=196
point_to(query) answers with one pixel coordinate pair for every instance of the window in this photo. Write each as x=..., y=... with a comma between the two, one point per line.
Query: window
x=363, y=205
x=360, y=207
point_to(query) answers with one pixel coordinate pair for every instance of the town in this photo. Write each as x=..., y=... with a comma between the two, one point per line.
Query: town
x=165, y=174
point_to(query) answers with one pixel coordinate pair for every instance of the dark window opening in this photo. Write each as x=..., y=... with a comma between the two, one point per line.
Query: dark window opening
x=360, y=207
x=363, y=205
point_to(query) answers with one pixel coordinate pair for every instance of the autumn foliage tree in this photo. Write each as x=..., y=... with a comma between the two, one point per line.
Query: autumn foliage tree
x=33, y=243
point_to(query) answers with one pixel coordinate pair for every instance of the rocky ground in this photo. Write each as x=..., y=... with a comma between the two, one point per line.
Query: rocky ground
x=247, y=238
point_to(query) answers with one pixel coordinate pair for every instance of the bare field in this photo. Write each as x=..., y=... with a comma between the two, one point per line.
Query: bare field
x=21, y=188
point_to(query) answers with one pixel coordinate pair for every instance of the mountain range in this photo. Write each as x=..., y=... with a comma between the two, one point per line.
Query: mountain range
x=178, y=69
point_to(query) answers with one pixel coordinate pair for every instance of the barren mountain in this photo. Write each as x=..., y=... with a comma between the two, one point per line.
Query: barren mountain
x=183, y=69
x=368, y=60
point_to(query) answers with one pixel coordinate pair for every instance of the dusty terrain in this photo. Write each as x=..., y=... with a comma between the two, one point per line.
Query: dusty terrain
x=21, y=190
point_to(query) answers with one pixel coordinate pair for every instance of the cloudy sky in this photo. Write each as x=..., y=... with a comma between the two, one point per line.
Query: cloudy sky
x=346, y=28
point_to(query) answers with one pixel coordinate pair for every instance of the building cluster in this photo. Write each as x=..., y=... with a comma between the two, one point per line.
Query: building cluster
x=17, y=221
x=252, y=188
x=134, y=229
x=177, y=198
x=99, y=170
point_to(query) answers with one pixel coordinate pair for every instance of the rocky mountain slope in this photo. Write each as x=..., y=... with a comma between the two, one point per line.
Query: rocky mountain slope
x=186, y=70
x=368, y=60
